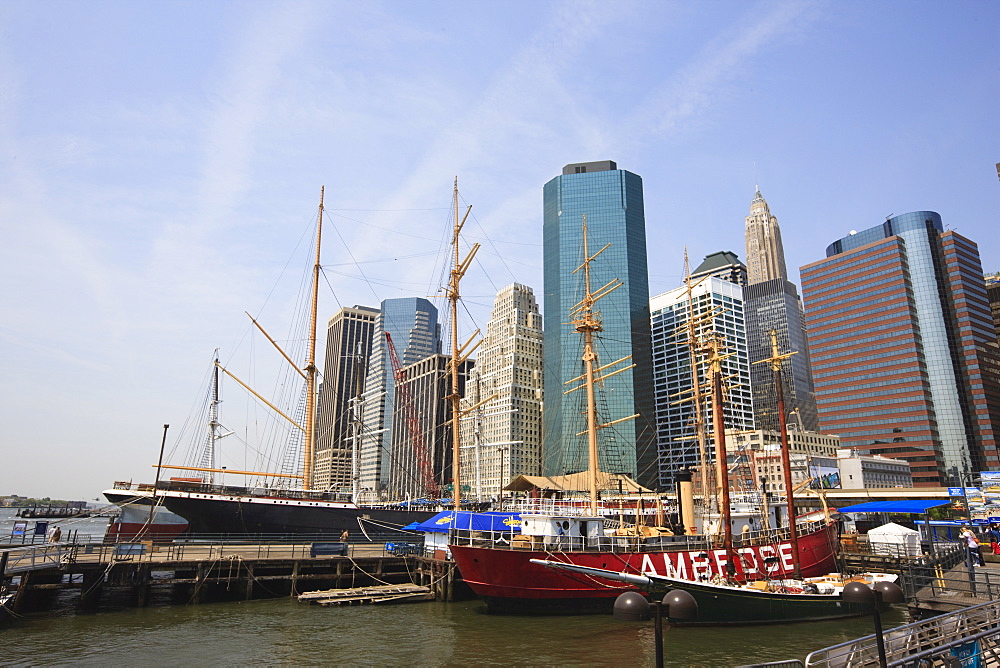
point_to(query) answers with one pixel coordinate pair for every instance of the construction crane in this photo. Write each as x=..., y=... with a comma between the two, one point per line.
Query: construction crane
x=412, y=421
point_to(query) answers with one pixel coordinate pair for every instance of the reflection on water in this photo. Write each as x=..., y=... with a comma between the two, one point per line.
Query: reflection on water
x=285, y=632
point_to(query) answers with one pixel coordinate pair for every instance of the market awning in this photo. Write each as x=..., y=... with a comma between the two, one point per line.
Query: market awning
x=915, y=506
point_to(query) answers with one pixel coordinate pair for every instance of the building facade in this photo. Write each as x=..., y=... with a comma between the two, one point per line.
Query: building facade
x=716, y=307
x=993, y=294
x=348, y=347
x=872, y=471
x=774, y=305
x=723, y=264
x=412, y=323
x=611, y=200
x=765, y=255
x=421, y=434
x=903, y=347
x=755, y=458
x=502, y=438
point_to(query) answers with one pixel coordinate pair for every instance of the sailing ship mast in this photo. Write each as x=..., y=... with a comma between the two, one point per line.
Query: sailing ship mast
x=712, y=346
x=775, y=361
x=308, y=373
x=587, y=321
x=458, y=355
x=310, y=367
x=707, y=478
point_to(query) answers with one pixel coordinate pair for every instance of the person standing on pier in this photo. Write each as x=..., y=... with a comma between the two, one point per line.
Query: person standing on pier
x=972, y=546
x=344, y=536
x=994, y=533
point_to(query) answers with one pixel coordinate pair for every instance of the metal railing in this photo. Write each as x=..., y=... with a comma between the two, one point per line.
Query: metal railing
x=35, y=557
x=22, y=559
x=926, y=643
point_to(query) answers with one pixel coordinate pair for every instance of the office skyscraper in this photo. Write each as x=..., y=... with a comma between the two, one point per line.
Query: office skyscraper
x=348, y=347
x=716, y=306
x=765, y=255
x=504, y=436
x=428, y=383
x=723, y=264
x=772, y=304
x=903, y=347
x=775, y=306
x=611, y=199
x=412, y=322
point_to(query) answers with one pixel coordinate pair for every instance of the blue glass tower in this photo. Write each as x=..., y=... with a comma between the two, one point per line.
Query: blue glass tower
x=611, y=199
x=412, y=322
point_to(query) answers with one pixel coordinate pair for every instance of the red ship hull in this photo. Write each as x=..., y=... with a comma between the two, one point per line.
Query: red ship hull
x=508, y=581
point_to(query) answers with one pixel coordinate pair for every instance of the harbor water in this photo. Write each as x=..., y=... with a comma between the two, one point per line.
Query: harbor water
x=285, y=632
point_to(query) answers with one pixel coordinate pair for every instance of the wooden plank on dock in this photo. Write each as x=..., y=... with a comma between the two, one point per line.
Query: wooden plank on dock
x=373, y=594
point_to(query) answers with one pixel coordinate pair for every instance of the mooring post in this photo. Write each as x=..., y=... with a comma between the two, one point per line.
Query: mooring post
x=249, y=584
x=142, y=585
x=91, y=589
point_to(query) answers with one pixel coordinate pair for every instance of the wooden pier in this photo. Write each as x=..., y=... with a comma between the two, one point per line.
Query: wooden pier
x=109, y=577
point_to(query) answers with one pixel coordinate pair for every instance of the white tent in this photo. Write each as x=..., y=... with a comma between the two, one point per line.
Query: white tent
x=894, y=540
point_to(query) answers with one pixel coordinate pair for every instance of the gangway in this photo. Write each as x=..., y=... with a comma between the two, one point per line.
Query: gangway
x=938, y=641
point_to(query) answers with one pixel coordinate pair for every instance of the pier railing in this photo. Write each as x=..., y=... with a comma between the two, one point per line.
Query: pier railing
x=621, y=543
x=939, y=641
x=34, y=557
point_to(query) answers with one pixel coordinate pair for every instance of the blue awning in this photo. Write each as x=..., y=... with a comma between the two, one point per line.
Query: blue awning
x=916, y=506
x=450, y=519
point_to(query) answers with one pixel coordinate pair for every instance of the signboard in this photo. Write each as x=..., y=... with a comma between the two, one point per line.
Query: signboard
x=825, y=474
x=967, y=655
x=19, y=528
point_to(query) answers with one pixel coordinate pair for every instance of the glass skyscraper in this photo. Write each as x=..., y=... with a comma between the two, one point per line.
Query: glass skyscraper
x=716, y=306
x=611, y=199
x=412, y=322
x=903, y=350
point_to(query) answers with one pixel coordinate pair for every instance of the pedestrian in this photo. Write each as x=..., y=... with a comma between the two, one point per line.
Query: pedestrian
x=994, y=539
x=344, y=535
x=55, y=535
x=972, y=546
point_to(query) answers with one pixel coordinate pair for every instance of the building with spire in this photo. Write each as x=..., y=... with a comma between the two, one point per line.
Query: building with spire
x=412, y=322
x=611, y=200
x=772, y=303
x=502, y=438
x=765, y=255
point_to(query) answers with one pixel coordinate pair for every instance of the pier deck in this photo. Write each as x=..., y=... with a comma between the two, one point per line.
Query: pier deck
x=109, y=576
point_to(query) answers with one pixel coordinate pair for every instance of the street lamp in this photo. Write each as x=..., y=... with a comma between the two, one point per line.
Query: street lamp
x=879, y=594
x=633, y=607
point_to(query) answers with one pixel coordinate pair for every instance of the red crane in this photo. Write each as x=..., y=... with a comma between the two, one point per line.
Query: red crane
x=412, y=421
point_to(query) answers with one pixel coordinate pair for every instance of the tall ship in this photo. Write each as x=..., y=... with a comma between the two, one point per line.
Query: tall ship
x=286, y=502
x=515, y=573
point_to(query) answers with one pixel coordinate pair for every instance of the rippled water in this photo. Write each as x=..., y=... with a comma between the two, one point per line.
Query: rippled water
x=286, y=632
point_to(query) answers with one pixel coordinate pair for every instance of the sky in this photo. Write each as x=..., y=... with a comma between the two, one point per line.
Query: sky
x=161, y=164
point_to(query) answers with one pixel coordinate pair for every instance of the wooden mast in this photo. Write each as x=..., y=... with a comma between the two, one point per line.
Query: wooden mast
x=457, y=272
x=722, y=462
x=310, y=367
x=587, y=321
x=786, y=462
x=707, y=478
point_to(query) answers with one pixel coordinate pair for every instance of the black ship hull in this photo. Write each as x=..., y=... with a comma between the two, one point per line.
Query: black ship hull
x=248, y=515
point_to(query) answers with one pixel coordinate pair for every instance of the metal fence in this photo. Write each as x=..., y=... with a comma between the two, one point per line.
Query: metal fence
x=939, y=641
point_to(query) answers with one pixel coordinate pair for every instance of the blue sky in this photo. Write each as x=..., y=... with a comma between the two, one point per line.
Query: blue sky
x=160, y=163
